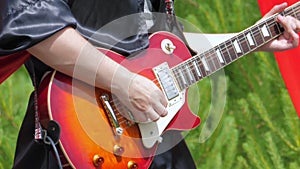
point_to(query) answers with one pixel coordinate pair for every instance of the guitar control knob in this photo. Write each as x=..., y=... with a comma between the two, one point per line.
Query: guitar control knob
x=98, y=160
x=132, y=165
x=167, y=46
x=118, y=150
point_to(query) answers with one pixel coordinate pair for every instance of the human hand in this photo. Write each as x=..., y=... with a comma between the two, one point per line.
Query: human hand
x=143, y=98
x=289, y=39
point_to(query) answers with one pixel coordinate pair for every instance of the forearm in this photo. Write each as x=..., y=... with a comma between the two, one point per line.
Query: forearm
x=68, y=52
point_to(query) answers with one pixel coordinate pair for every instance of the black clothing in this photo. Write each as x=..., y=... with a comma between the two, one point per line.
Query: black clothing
x=27, y=22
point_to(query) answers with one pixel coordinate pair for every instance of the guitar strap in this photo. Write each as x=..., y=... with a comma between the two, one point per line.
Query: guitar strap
x=49, y=136
x=38, y=132
x=53, y=128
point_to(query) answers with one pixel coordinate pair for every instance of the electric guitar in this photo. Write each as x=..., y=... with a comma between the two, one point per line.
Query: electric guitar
x=94, y=134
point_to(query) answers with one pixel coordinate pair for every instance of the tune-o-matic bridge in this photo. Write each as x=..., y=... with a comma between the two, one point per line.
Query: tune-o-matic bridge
x=111, y=114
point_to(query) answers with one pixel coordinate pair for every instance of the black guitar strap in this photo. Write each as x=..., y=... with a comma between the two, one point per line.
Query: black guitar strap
x=51, y=135
x=38, y=131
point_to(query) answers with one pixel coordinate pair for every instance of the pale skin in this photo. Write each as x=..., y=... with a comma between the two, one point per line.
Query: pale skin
x=142, y=96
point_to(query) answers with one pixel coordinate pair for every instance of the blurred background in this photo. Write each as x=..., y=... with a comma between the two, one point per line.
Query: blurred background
x=259, y=128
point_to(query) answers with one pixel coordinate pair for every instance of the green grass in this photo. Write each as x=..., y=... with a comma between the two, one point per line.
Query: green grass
x=259, y=127
x=14, y=94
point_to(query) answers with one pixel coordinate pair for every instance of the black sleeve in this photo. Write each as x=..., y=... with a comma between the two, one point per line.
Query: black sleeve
x=26, y=22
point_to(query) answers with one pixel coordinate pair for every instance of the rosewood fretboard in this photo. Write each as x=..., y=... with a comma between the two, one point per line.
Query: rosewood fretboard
x=208, y=62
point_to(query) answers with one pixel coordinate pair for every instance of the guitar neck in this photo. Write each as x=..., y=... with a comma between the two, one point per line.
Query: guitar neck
x=210, y=61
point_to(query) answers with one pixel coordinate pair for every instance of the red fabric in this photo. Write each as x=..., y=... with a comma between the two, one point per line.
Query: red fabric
x=288, y=61
x=10, y=63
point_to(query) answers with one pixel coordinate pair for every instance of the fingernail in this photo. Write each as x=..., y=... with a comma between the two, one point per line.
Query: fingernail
x=165, y=113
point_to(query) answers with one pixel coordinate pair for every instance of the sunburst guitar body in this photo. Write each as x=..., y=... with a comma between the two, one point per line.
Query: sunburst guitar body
x=94, y=134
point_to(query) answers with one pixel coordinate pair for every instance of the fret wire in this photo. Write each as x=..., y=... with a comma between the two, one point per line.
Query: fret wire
x=227, y=59
x=229, y=53
x=209, y=61
x=261, y=33
x=293, y=11
x=277, y=29
x=297, y=8
x=244, y=40
x=274, y=29
x=258, y=37
x=193, y=70
x=216, y=59
x=183, y=75
x=202, y=66
x=247, y=43
x=206, y=65
x=220, y=61
x=205, y=57
x=195, y=63
x=283, y=13
x=298, y=12
x=241, y=48
x=218, y=47
x=253, y=36
x=251, y=47
x=201, y=70
x=198, y=63
x=231, y=50
x=188, y=74
x=268, y=29
x=198, y=68
x=178, y=79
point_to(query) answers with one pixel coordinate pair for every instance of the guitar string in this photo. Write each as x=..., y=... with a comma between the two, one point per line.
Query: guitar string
x=212, y=56
x=181, y=71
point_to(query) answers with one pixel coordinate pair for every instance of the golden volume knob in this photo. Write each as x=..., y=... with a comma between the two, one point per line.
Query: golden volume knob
x=118, y=150
x=98, y=160
x=132, y=165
